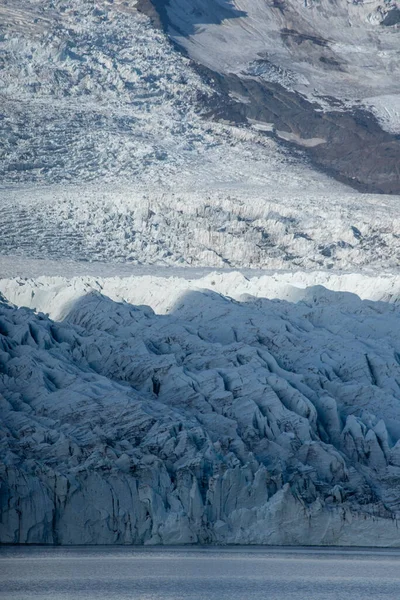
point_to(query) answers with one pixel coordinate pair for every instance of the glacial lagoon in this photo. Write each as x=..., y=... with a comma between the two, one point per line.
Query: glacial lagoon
x=198, y=573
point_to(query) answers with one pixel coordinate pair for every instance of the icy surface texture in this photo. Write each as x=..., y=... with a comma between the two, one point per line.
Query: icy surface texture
x=242, y=226
x=91, y=90
x=219, y=416
x=92, y=93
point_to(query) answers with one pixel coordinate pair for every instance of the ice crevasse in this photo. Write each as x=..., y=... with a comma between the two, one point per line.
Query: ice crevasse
x=216, y=419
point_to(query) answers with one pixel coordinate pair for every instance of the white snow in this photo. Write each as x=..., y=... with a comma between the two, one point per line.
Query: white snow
x=279, y=225
x=160, y=288
x=251, y=37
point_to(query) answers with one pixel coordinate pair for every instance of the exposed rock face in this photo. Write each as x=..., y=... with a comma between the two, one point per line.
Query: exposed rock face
x=350, y=145
x=310, y=70
x=256, y=421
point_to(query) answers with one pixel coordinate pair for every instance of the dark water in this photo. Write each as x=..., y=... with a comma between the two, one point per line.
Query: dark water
x=105, y=573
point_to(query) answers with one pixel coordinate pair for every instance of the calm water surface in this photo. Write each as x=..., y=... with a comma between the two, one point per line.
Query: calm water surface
x=109, y=573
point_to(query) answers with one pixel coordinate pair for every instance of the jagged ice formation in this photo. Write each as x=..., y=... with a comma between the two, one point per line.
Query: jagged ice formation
x=214, y=419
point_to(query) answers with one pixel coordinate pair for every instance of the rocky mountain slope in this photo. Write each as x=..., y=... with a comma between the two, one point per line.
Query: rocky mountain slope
x=324, y=75
x=213, y=419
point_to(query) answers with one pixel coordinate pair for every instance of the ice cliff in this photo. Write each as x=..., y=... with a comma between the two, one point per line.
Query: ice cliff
x=216, y=417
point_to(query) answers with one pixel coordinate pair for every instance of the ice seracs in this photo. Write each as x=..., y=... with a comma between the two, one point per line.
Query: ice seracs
x=279, y=225
x=208, y=419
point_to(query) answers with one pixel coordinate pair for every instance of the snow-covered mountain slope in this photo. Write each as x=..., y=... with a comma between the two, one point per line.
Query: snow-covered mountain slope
x=317, y=72
x=213, y=419
x=111, y=148
x=338, y=49
x=90, y=90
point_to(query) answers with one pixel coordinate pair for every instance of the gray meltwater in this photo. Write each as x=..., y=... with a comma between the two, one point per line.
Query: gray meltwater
x=131, y=573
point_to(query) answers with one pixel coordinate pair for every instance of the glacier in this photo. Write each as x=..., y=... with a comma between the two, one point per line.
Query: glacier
x=221, y=409
x=110, y=151
x=198, y=328
x=278, y=225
